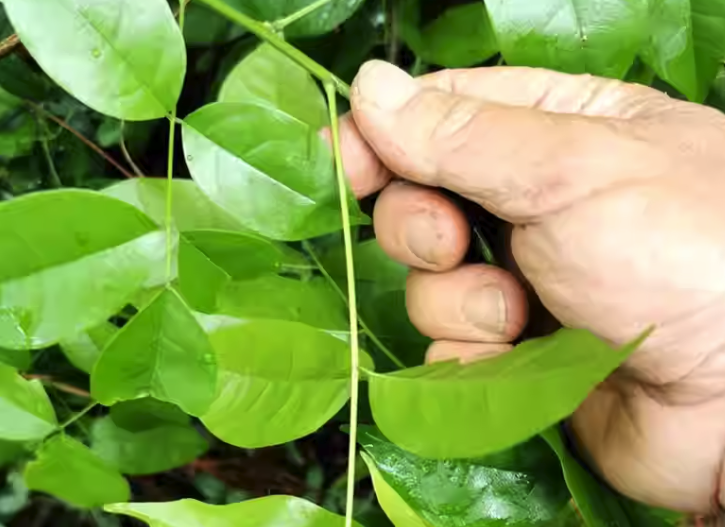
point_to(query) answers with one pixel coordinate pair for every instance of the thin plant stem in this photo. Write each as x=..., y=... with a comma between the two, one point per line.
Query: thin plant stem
x=77, y=416
x=55, y=181
x=330, y=91
x=366, y=329
x=279, y=25
x=127, y=154
x=170, y=171
x=264, y=32
x=90, y=144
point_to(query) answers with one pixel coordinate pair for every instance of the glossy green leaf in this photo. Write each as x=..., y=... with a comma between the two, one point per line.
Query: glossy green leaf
x=68, y=470
x=210, y=259
x=449, y=410
x=670, y=49
x=18, y=359
x=278, y=381
x=574, y=36
x=125, y=59
x=191, y=208
x=143, y=414
x=462, y=36
x=269, y=77
x=272, y=511
x=521, y=487
x=273, y=173
x=150, y=451
x=311, y=302
x=321, y=21
x=163, y=353
x=45, y=294
x=84, y=349
x=25, y=410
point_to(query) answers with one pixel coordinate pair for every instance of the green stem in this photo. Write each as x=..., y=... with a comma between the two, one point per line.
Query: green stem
x=265, y=33
x=77, y=416
x=170, y=172
x=279, y=25
x=366, y=329
x=55, y=181
x=330, y=91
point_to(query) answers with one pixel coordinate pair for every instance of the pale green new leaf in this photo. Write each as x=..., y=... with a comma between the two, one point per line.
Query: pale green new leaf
x=312, y=302
x=84, y=349
x=25, y=410
x=278, y=381
x=68, y=470
x=157, y=449
x=519, y=487
x=462, y=36
x=59, y=278
x=272, y=172
x=269, y=77
x=323, y=20
x=272, y=511
x=574, y=36
x=449, y=410
x=125, y=59
x=162, y=353
x=191, y=209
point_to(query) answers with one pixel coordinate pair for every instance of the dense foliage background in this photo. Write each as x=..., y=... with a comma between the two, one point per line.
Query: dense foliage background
x=49, y=140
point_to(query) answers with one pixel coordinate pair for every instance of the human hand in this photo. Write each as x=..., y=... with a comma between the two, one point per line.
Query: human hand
x=614, y=191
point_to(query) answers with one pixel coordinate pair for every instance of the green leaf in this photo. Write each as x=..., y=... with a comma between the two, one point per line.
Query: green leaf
x=670, y=49
x=124, y=59
x=273, y=173
x=321, y=21
x=191, y=208
x=372, y=264
x=150, y=451
x=449, y=410
x=84, y=349
x=45, y=294
x=708, y=26
x=138, y=415
x=278, y=381
x=68, y=470
x=10, y=451
x=18, y=134
x=311, y=302
x=18, y=359
x=268, y=77
x=574, y=36
x=522, y=486
x=25, y=410
x=272, y=511
x=163, y=353
x=462, y=36
x=209, y=260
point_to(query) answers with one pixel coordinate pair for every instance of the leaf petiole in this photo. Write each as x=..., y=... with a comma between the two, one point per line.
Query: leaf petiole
x=279, y=25
x=265, y=33
x=77, y=416
x=330, y=91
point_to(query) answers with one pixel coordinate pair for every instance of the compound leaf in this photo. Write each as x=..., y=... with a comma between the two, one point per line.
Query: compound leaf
x=125, y=59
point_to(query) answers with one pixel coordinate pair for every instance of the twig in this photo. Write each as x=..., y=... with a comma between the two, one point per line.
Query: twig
x=60, y=386
x=90, y=144
x=127, y=154
x=8, y=45
x=55, y=181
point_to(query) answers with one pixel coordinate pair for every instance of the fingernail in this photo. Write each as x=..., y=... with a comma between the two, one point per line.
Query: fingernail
x=420, y=237
x=384, y=85
x=485, y=308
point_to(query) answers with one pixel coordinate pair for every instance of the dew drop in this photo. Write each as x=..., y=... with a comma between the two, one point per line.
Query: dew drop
x=96, y=53
x=189, y=157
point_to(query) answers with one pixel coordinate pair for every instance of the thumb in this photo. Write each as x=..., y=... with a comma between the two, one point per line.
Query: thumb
x=521, y=142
